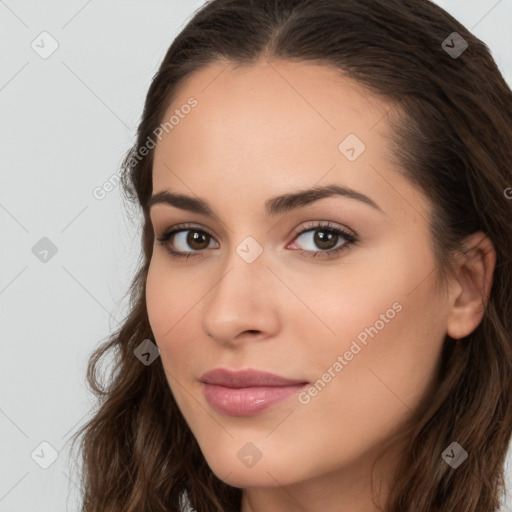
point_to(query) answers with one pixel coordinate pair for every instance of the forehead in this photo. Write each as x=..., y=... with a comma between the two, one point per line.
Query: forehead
x=300, y=99
x=269, y=127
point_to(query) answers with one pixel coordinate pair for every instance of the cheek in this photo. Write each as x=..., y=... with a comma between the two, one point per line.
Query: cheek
x=168, y=298
x=388, y=326
x=376, y=388
x=165, y=308
x=157, y=301
x=171, y=298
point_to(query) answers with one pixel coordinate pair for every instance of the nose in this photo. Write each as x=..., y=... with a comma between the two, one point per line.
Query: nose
x=243, y=303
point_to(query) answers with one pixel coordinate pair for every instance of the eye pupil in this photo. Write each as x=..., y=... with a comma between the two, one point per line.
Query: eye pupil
x=322, y=236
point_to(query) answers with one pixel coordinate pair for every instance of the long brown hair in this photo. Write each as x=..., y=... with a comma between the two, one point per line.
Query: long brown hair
x=453, y=141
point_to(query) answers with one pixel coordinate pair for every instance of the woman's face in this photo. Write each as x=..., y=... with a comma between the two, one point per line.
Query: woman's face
x=357, y=326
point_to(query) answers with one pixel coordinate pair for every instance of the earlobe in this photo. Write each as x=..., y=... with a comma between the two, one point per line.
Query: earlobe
x=471, y=288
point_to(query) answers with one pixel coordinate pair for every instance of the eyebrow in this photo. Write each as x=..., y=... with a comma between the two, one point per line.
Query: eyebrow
x=274, y=206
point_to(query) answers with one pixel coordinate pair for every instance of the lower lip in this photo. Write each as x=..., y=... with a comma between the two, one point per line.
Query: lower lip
x=247, y=401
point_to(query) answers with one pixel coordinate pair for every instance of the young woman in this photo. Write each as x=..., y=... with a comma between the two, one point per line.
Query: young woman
x=322, y=318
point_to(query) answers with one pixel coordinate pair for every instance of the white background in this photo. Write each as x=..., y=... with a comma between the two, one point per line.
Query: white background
x=65, y=123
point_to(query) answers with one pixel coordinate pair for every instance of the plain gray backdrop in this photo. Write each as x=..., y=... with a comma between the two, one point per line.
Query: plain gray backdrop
x=68, y=115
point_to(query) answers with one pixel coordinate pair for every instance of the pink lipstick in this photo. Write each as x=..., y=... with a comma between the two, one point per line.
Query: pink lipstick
x=246, y=392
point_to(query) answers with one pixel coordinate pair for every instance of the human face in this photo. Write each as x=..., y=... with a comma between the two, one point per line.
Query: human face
x=363, y=329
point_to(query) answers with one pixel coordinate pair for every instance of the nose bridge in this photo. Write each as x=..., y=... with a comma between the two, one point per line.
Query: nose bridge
x=245, y=268
x=240, y=298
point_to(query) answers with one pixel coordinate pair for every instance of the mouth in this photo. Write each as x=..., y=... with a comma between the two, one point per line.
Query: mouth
x=246, y=392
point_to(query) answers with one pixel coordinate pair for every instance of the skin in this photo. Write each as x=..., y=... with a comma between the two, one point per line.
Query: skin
x=258, y=132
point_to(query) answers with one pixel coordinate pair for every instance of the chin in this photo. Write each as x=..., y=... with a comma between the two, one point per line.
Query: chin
x=266, y=472
x=245, y=478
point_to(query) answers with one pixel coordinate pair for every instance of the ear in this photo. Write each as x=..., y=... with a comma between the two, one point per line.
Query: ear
x=471, y=286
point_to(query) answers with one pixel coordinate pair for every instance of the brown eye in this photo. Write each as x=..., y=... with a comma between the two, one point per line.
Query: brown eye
x=197, y=239
x=185, y=241
x=324, y=240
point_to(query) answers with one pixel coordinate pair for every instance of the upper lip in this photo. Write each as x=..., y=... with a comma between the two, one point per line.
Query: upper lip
x=245, y=378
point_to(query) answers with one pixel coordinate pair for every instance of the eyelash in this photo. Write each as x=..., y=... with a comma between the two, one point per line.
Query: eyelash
x=323, y=226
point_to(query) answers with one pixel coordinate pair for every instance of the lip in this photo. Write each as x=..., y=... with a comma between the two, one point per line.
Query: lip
x=246, y=392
